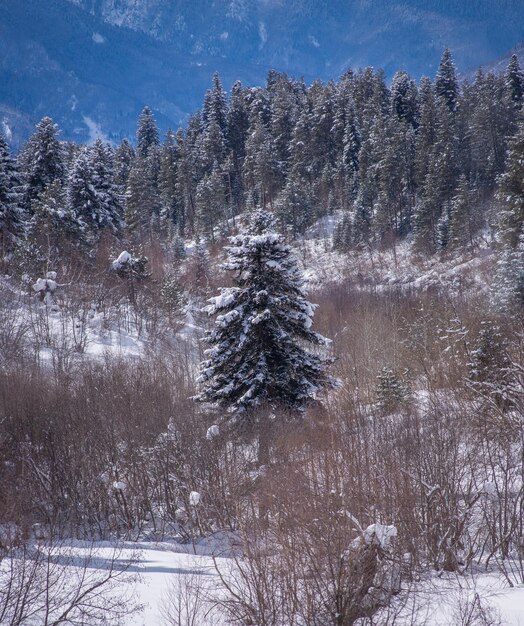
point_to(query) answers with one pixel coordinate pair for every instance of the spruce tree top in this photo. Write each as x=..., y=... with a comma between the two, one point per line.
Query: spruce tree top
x=514, y=79
x=146, y=133
x=446, y=84
x=257, y=354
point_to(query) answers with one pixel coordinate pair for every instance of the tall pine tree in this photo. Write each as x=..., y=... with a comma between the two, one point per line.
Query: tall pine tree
x=257, y=355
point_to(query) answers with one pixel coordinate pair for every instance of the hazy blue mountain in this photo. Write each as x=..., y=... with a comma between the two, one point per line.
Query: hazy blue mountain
x=500, y=64
x=92, y=64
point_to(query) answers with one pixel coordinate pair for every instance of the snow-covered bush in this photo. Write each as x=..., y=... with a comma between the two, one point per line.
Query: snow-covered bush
x=45, y=288
x=127, y=265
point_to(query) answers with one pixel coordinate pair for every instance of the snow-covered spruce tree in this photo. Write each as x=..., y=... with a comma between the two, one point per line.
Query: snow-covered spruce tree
x=11, y=218
x=91, y=194
x=41, y=161
x=514, y=81
x=446, y=84
x=507, y=291
x=257, y=356
x=147, y=138
x=511, y=193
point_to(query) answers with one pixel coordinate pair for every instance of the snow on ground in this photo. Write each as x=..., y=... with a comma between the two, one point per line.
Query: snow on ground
x=395, y=267
x=444, y=601
x=168, y=567
x=157, y=572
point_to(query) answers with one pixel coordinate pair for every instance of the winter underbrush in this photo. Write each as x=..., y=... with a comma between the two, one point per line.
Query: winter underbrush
x=408, y=474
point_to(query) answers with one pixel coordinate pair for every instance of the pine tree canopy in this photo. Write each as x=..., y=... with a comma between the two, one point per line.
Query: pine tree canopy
x=257, y=354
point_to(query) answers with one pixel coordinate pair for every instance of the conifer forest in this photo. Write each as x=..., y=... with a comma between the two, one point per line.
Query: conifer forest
x=286, y=339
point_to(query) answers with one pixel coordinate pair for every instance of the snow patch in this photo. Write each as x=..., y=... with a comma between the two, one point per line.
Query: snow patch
x=95, y=130
x=194, y=498
x=123, y=259
x=379, y=532
x=212, y=432
x=98, y=38
x=8, y=133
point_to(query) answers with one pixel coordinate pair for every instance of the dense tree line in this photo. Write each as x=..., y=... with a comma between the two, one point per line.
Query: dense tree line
x=401, y=160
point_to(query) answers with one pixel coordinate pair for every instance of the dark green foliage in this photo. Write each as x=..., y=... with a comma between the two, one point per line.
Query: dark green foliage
x=172, y=294
x=391, y=157
x=511, y=193
x=343, y=234
x=446, y=84
x=41, y=161
x=147, y=138
x=392, y=389
x=514, y=79
x=490, y=367
x=11, y=215
x=257, y=355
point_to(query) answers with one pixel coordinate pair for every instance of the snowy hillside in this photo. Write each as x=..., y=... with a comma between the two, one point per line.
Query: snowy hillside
x=102, y=61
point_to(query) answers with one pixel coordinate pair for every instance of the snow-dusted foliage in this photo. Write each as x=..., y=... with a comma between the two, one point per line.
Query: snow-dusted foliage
x=10, y=214
x=41, y=160
x=257, y=354
x=92, y=195
x=128, y=265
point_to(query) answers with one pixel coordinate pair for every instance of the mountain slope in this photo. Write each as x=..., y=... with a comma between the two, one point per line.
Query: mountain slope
x=101, y=60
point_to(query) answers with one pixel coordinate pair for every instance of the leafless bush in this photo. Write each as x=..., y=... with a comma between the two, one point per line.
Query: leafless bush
x=188, y=602
x=51, y=582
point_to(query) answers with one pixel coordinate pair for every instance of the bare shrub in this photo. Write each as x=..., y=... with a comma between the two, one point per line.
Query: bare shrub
x=188, y=602
x=51, y=582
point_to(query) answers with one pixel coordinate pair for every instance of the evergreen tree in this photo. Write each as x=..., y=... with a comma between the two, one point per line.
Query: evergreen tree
x=167, y=180
x=147, y=138
x=490, y=123
x=446, y=84
x=283, y=112
x=362, y=219
x=237, y=127
x=215, y=109
x=213, y=146
x=343, y=234
x=490, y=365
x=508, y=284
x=391, y=389
x=301, y=148
x=211, y=203
x=511, y=193
x=257, y=355
x=202, y=269
x=394, y=176
x=350, y=150
x=91, y=193
x=184, y=185
x=11, y=216
x=427, y=130
x=41, y=161
x=514, y=80
x=461, y=220
x=404, y=98
x=123, y=162
x=431, y=213
x=54, y=221
x=142, y=193
x=259, y=165
x=237, y=122
x=294, y=207
x=322, y=119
